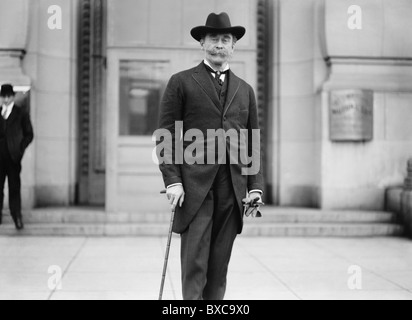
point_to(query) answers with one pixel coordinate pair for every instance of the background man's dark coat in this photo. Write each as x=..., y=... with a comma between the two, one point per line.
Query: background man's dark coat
x=191, y=97
x=19, y=133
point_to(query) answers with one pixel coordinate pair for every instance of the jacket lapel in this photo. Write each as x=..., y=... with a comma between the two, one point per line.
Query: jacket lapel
x=205, y=82
x=233, y=88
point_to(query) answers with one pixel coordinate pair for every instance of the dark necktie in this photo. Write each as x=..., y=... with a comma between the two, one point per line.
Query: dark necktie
x=217, y=74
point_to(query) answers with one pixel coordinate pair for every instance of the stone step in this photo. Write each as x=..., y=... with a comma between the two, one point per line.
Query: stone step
x=324, y=230
x=87, y=229
x=270, y=215
x=250, y=230
x=277, y=222
x=298, y=215
x=68, y=216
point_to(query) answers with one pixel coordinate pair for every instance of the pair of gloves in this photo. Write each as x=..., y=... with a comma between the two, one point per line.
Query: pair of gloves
x=252, y=206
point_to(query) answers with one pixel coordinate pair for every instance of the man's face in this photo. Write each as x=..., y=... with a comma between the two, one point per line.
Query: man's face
x=7, y=100
x=218, y=48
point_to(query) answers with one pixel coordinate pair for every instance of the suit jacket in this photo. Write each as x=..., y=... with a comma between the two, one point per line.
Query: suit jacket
x=191, y=97
x=19, y=133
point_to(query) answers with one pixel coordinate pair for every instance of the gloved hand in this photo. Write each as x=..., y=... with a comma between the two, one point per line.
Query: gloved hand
x=175, y=194
x=252, y=205
x=255, y=195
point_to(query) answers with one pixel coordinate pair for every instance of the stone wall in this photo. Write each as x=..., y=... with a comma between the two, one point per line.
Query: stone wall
x=299, y=71
x=377, y=57
x=314, y=53
x=50, y=63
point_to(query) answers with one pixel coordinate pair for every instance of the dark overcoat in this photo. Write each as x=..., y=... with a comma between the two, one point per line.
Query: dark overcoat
x=191, y=97
x=19, y=132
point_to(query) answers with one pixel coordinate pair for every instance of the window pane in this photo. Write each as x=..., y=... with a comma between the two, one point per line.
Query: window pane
x=142, y=84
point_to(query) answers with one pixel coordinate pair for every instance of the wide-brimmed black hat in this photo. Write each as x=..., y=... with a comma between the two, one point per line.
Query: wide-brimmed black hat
x=217, y=23
x=7, y=90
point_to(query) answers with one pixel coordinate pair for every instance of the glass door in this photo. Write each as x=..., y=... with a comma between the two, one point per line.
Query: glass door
x=134, y=180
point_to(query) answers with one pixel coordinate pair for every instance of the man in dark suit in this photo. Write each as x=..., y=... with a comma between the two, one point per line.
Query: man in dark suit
x=16, y=133
x=208, y=196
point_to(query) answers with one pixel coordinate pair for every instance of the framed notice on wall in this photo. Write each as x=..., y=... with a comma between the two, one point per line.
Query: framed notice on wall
x=351, y=115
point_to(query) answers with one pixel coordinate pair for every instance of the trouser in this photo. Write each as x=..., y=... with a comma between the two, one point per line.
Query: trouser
x=206, y=246
x=11, y=170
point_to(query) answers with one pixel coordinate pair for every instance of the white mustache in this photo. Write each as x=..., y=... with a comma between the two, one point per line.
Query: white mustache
x=220, y=53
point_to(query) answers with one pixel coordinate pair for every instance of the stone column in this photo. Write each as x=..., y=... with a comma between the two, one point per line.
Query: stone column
x=13, y=39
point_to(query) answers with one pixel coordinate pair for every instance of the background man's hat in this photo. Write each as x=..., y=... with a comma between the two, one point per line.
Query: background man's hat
x=6, y=90
x=217, y=23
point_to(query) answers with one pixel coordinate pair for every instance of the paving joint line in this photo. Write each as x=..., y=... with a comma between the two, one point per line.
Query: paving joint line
x=272, y=273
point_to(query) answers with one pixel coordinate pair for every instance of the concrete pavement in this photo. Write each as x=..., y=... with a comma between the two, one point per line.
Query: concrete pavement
x=261, y=268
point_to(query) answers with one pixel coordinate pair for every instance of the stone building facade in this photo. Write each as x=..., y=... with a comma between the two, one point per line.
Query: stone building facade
x=93, y=89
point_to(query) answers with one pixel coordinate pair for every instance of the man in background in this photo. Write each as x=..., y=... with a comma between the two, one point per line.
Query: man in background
x=16, y=134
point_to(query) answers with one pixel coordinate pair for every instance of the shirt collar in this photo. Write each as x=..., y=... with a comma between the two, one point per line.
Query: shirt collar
x=208, y=64
x=9, y=107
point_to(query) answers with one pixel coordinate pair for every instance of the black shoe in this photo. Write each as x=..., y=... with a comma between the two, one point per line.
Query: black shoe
x=19, y=224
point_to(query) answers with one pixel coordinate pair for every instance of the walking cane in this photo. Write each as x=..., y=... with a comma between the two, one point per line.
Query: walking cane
x=169, y=241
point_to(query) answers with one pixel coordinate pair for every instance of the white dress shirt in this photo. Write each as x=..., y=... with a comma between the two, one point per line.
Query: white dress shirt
x=223, y=76
x=7, y=110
